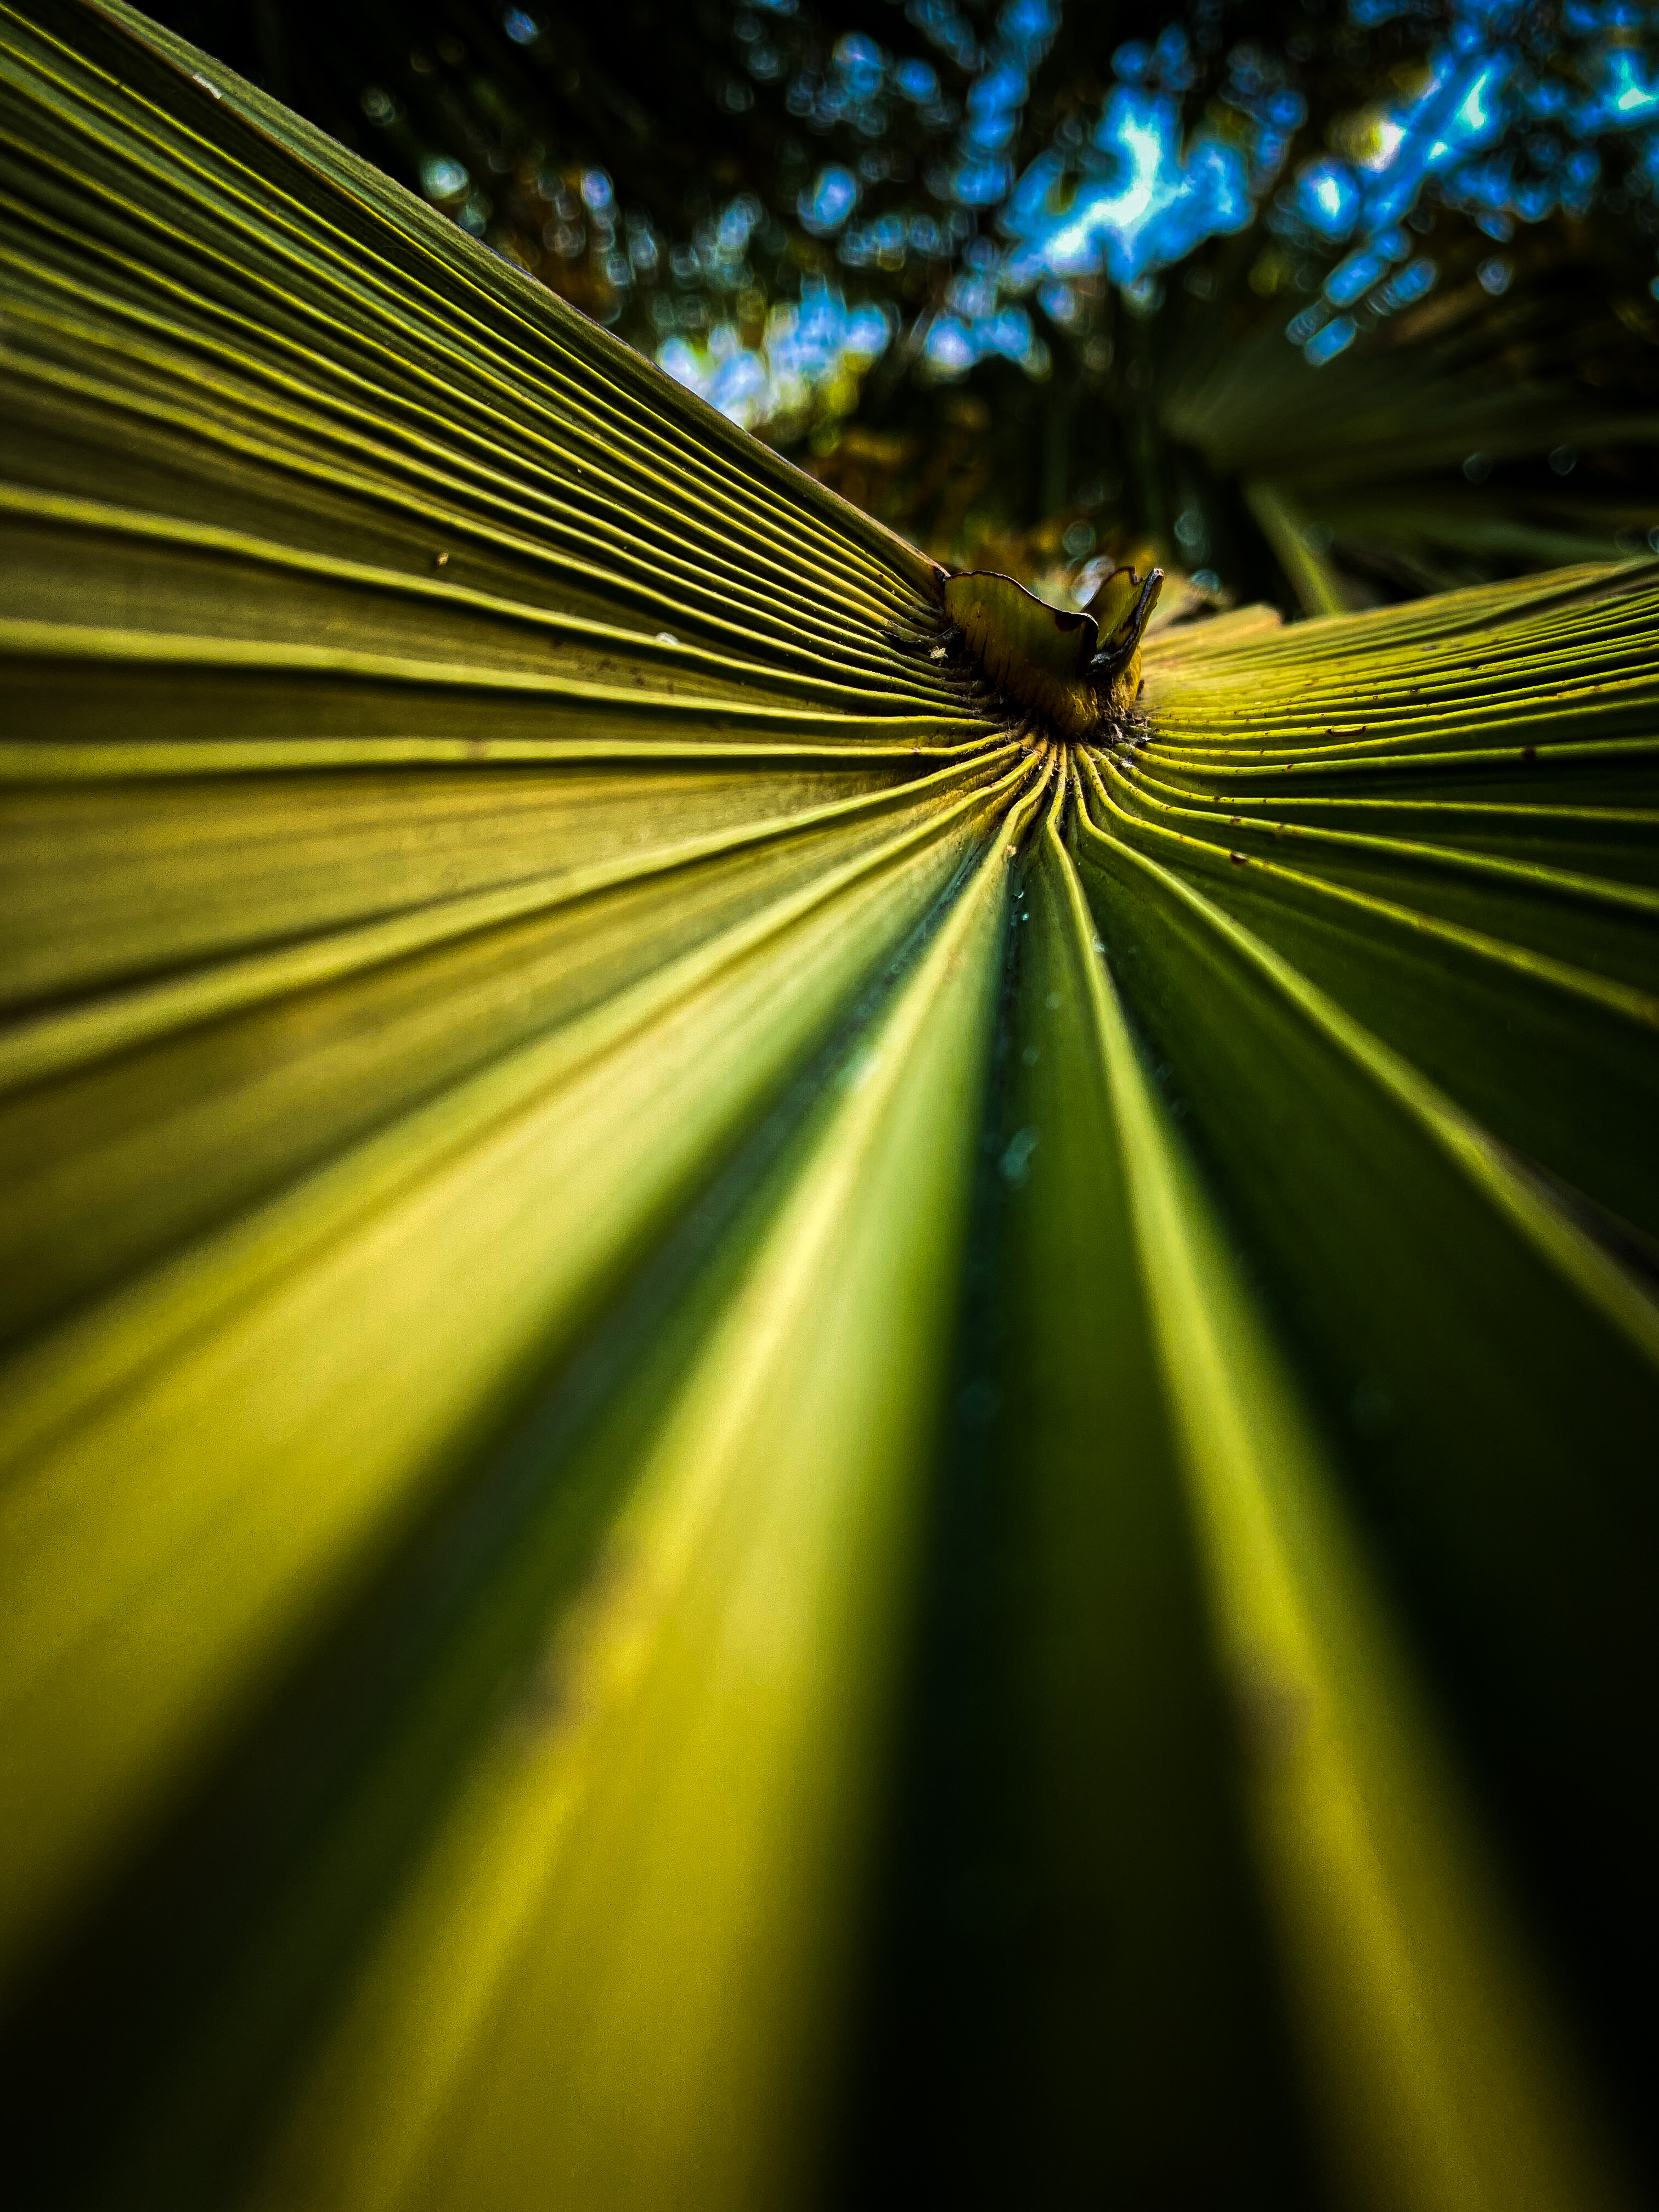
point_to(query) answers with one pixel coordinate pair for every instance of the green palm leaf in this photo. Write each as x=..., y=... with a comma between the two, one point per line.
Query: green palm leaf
x=754, y=1428
x=1387, y=450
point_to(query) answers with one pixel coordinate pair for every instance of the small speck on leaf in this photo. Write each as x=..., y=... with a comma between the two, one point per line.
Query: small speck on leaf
x=1016, y=1162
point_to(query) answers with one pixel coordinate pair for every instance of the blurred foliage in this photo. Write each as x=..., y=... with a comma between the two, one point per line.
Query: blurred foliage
x=930, y=252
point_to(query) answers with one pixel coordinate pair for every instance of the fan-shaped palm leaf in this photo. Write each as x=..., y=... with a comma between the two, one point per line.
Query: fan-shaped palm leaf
x=713, y=1359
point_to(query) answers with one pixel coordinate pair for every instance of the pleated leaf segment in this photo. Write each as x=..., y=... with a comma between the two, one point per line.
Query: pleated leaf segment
x=763, y=1435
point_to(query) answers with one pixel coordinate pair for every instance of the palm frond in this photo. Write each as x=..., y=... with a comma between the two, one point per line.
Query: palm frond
x=753, y=1427
x=1417, y=461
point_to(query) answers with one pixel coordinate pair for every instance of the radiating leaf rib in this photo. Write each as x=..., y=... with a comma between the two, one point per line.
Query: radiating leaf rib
x=1617, y=838
x=1342, y=1223
x=1554, y=1059
x=1422, y=2032
x=1081, y=1964
x=636, y=572
x=1607, y=927
x=1623, y=1300
x=762, y=1535
x=917, y=858
x=454, y=1186
x=1210, y=857
x=351, y=293
x=195, y=577
x=57, y=1041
